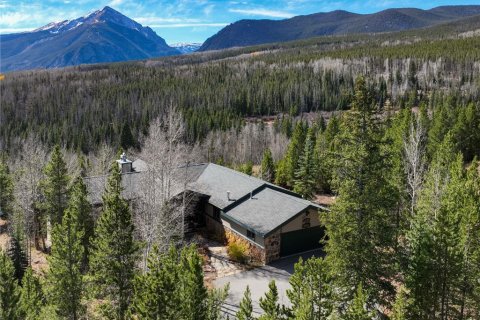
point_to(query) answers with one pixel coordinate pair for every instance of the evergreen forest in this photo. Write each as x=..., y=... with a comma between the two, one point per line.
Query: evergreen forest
x=388, y=125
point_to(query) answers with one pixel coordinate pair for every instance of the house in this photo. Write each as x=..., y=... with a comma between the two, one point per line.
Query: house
x=272, y=221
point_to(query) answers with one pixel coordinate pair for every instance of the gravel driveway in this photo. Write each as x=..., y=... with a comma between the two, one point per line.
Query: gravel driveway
x=258, y=279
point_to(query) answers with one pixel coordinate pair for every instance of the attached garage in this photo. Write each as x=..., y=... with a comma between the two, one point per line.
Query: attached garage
x=300, y=240
x=278, y=222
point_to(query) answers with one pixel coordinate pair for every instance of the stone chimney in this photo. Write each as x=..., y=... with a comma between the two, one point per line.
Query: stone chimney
x=125, y=164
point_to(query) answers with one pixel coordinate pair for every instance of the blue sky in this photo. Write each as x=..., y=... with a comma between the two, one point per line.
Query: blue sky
x=188, y=20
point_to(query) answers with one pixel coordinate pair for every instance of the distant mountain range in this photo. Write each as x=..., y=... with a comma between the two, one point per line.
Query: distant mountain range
x=186, y=47
x=102, y=36
x=254, y=32
x=108, y=36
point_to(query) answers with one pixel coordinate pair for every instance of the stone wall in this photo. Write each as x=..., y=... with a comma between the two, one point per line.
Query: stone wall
x=255, y=252
x=272, y=247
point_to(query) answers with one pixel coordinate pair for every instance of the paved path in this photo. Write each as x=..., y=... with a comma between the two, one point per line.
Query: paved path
x=258, y=279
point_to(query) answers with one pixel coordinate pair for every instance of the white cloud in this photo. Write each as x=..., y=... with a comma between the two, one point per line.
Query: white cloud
x=208, y=9
x=114, y=3
x=31, y=16
x=14, y=30
x=15, y=18
x=263, y=12
x=161, y=20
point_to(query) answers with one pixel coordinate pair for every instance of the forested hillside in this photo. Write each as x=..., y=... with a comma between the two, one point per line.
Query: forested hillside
x=253, y=32
x=83, y=107
x=386, y=125
x=402, y=238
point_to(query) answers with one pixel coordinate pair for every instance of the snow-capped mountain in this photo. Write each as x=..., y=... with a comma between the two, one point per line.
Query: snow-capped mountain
x=107, y=14
x=186, y=47
x=102, y=36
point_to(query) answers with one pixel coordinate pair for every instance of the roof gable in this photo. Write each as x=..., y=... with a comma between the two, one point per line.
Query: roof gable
x=216, y=180
x=268, y=209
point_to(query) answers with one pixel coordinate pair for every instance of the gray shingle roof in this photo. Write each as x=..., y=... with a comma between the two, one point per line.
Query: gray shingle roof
x=96, y=186
x=267, y=210
x=216, y=180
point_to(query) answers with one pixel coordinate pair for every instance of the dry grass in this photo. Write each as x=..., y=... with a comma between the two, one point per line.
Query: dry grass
x=4, y=238
x=324, y=199
x=39, y=259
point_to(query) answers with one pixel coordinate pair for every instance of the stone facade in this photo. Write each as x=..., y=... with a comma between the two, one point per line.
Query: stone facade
x=260, y=250
x=255, y=252
x=272, y=247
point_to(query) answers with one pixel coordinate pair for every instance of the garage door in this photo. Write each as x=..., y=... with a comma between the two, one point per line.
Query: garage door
x=300, y=240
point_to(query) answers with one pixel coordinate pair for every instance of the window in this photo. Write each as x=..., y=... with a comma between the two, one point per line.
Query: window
x=251, y=235
x=306, y=223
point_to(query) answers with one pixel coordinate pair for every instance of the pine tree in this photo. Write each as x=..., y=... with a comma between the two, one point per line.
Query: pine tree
x=312, y=291
x=324, y=154
x=360, y=227
x=9, y=291
x=306, y=173
x=435, y=238
x=400, y=307
x=270, y=305
x=442, y=121
x=127, y=140
x=305, y=308
x=281, y=176
x=268, y=166
x=358, y=309
x=469, y=288
x=246, y=168
x=157, y=291
x=289, y=164
x=17, y=255
x=65, y=262
x=80, y=204
x=193, y=293
x=246, y=309
x=6, y=189
x=112, y=260
x=32, y=299
x=173, y=288
x=215, y=301
x=55, y=186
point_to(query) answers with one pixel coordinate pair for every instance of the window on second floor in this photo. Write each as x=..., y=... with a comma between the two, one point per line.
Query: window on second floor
x=251, y=235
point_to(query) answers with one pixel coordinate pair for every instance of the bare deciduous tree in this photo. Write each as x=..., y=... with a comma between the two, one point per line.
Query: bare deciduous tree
x=101, y=160
x=161, y=206
x=29, y=172
x=414, y=160
x=237, y=148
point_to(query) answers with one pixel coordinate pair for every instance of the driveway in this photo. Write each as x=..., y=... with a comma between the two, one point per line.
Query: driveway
x=258, y=279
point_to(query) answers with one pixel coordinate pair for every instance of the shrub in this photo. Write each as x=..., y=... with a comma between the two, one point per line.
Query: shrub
x=237, y=251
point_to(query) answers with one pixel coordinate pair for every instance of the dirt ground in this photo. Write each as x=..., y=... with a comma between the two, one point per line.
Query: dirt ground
x=324, y=199
x=39, y=259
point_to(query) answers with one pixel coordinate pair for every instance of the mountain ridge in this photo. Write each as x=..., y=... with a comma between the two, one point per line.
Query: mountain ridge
x=249, y=32
x=102, y=36
x=186, y=47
